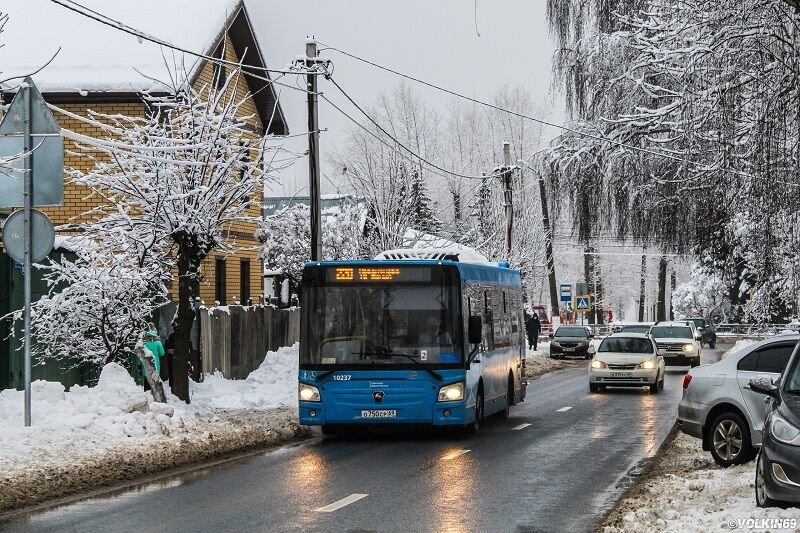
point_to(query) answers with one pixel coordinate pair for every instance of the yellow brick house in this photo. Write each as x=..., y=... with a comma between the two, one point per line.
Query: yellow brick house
x=103, y=69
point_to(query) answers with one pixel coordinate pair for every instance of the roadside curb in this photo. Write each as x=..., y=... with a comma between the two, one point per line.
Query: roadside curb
x=120, y=470
x=638, y=474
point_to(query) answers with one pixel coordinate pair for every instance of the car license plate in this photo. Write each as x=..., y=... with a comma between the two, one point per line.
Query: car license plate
x=379, y=413
x=569, y=349
x=621, y=374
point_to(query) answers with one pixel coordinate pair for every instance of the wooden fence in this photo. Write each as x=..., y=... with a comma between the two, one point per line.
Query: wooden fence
x=234, y=339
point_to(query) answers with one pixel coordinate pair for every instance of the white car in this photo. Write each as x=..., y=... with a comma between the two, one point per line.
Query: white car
x=677, y=343
x=627, y=360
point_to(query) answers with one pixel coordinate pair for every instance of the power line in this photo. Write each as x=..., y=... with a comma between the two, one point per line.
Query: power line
x=118, y=25
x=528, y=117
x=398, y=143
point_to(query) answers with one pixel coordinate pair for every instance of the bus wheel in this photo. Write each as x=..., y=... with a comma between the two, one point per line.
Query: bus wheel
x=505, y=413
x=476, y=425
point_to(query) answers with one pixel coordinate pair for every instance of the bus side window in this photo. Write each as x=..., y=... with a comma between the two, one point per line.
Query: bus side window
x=488, y=320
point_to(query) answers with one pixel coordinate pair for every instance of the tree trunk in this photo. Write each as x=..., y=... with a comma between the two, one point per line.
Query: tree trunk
x=548, y=243
x=642, y=287
x=188, y=266
x=588, y=276
x=662, y=290
x=673, y=284
x=151, y=374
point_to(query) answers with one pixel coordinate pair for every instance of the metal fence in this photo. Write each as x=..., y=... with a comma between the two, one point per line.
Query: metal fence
x=234, y=339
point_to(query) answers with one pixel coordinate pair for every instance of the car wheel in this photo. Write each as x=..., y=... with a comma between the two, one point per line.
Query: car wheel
x=654, y=388
x=729, y=437
x=593, y=387
x=712, y=344
x=476, y=425
x=661, y=382
x=762, y=500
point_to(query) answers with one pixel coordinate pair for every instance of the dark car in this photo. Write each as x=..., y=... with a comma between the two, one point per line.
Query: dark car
x=572, y=340
x=707, y=331
x=778, y=463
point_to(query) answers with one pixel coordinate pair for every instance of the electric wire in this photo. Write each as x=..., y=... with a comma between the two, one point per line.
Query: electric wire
x=533, y=119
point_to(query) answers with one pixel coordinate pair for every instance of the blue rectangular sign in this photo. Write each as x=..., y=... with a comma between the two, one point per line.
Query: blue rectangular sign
x=566, y=292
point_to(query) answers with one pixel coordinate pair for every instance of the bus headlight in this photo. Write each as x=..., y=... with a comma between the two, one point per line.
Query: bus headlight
x=308, y=393
x=452, y=392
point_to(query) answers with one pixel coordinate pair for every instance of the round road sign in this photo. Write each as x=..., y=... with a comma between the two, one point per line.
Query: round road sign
x=43, y=235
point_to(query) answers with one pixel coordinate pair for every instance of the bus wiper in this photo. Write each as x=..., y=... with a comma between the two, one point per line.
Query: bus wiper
x=323, y=375
x=384, y=353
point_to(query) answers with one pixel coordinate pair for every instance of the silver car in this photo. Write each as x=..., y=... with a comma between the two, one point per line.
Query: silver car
x=718, y=405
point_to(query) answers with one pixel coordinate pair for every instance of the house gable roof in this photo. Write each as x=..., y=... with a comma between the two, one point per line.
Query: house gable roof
x=97, y=62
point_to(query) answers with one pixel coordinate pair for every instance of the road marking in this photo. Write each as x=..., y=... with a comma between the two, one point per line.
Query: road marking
x=563, y=409
x=521, y=426
x=453, y=455
x=341, y=503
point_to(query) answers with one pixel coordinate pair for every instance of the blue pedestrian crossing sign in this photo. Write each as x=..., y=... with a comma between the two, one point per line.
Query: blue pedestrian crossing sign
x=583, y=303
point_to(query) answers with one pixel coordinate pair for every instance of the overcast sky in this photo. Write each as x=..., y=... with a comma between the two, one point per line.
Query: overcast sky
x=433, y=40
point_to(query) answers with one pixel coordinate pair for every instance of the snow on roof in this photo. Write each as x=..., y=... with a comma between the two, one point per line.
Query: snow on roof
x=96, y=57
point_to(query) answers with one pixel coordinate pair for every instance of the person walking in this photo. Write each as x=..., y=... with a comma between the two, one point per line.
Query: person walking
x=533, y=327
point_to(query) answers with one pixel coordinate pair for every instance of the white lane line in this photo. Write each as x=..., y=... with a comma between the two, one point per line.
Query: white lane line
x=453, y=455
x=521, y=426
x=341, y=503
x=563, y=409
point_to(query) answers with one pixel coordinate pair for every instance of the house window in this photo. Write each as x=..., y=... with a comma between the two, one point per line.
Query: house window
x=244, y=280
x=220, y=281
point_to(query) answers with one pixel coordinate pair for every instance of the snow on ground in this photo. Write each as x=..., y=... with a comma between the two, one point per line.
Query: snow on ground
x=739, y=345
x=687, y=492
x=538, y=362
x=91, y=436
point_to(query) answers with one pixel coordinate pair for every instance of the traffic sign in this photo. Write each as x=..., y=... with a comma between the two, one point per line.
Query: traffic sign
x=42, y=235
x=44, y=160
x=583, y=303
x=566, y=292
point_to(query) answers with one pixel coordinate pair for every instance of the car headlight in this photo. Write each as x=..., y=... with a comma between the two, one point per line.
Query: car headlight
x=688, y=347
x=597, y=363
x=555, y=343
x=452, y=392
x=647, y=365
x=783, y=431
x=308, y=393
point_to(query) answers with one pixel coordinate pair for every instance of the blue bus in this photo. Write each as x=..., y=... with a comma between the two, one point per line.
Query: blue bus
x=434, y=342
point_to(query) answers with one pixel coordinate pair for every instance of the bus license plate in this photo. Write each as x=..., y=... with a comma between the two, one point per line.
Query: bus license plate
x=621, y=374
x=379, y=413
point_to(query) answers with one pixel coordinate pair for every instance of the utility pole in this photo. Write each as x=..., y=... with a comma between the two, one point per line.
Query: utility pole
x=642, y=286
x=548, y=247
x=661, y=314
x=313, y=150
x=507, y=195
x=26, y=272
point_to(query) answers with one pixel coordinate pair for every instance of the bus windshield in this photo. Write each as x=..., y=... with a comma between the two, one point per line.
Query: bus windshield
x=377, y=323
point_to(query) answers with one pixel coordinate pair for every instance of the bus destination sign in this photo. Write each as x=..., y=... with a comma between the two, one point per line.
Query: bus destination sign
x=378, y=273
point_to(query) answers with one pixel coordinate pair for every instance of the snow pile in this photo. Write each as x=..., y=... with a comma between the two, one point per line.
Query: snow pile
x=538, y=362
x=273, y=384
x=688, y=492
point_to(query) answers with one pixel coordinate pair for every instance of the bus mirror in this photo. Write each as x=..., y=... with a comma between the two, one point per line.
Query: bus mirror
x=475, y=329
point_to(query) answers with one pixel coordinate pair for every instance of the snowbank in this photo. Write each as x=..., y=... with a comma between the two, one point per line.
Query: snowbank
x=538, y=362
x=741, y=344
x=273, y=384
x=688, y=492
x=94, y=436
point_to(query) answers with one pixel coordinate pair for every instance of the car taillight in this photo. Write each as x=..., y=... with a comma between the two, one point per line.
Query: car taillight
x=686, y=380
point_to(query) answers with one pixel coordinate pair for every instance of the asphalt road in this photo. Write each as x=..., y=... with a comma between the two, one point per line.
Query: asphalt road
x=557, y=464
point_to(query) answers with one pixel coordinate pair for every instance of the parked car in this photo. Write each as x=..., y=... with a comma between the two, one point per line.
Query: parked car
x=720, y=407
x=677, y=343
x=572, y=340
x=707, y=331
x=627, y=360
x=634, y=327
x=778, y=463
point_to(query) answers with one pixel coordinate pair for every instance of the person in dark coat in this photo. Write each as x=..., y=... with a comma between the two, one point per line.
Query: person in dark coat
x=533, y=327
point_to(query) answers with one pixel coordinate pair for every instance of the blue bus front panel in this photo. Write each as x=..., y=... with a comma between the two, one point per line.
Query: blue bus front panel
x=384, y=397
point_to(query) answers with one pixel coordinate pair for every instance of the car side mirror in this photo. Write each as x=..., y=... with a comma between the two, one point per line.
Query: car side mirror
x=475, y=329
x=551, y=335
x=764, y=386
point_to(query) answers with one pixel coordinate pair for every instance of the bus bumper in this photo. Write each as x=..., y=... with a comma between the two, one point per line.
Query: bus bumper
x=442, y=414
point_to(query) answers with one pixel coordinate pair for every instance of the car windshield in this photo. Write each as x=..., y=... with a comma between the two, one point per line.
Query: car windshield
x=699, y=322
x=372, y=323
x=636, y=328
x=626, y=345
x=571, y=332
x=671, y=332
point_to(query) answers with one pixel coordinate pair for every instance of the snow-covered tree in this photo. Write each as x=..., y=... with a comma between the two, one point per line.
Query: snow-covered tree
x=704, y=294
x=174, y=182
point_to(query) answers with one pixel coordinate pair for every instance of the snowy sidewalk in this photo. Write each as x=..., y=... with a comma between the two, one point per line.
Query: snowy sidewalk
x=538, y=362
x=100, y=436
